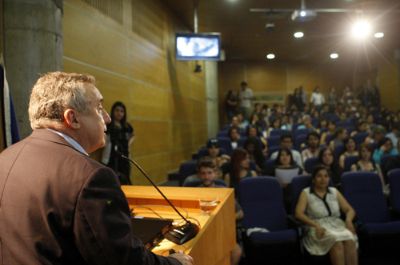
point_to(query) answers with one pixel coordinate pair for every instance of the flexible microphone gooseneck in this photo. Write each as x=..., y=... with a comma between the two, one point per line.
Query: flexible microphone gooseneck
x=179, y=234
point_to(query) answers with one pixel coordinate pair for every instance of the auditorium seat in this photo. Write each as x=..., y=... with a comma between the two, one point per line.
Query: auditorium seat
x=272, y=242
x=378, y=232
x=310, y=163
x=394, y=184
x=349, y=161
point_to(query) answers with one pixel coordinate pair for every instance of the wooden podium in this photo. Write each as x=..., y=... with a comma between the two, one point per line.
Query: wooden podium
x=217, y=235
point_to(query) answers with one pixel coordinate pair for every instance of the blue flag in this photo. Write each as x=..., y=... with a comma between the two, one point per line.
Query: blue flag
x=10, y=126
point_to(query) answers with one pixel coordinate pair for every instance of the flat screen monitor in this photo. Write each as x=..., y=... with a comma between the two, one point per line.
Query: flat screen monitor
x=202, y=46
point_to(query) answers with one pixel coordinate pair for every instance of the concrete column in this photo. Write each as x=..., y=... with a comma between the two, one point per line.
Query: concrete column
x=32, y=46
x=211, y=78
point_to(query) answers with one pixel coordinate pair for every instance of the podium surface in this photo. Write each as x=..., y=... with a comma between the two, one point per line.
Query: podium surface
x=217, y=235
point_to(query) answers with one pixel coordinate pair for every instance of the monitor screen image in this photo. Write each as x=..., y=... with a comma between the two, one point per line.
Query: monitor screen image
x=204, y=46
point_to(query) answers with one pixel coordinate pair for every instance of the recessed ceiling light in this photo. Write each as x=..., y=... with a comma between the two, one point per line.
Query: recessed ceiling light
x=361, y=29
x=303, y=13
x=298, y=34
x=334, y=55
x=379, y=35
x=270, y=56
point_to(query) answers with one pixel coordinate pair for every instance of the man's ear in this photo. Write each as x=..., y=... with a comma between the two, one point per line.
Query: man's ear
x=70, y=119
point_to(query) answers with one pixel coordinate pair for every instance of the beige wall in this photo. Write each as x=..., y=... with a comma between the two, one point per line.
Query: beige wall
x=134, y=62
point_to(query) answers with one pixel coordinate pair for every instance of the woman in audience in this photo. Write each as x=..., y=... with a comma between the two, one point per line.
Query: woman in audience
x=284, y=162
x=385, y=147
x=326, y=158
x=322, y=126
x=275, y=124
x=329, y=133
x=239, y=168
x=350, y=150
x=319, y=207
x=252, y=131
x=253, y=146
x=365, y=163
x=255, y=121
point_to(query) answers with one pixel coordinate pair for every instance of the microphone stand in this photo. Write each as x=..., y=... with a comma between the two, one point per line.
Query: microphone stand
x=179, y=234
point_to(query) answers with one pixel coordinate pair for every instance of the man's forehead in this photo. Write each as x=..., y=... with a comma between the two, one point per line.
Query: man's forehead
x=93, y=93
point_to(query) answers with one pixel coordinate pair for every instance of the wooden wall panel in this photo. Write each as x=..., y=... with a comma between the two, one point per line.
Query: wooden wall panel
x=389, y=84
x=134, y=63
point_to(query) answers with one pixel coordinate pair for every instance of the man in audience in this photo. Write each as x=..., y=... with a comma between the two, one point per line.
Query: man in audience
x=234, y=136
x=59, y=206
x=395, y=133
x=313, y=146
x=206, y=171
x=246, y=98
x=287, y=142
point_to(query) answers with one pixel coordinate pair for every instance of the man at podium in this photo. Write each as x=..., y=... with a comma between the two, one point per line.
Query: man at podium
x=57, y=205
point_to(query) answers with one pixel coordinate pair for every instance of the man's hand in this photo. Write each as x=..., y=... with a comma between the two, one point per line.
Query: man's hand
x=182, y=258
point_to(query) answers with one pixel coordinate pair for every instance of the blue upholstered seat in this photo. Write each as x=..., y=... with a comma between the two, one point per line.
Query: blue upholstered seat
x=378, y=232
x=262, y=203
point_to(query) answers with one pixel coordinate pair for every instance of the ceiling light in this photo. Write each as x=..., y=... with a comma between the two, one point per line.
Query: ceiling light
x=379, y=35
x=298, y=35
x=303, y=13
x=270, y=56
x=334, y=55
x=361, y=29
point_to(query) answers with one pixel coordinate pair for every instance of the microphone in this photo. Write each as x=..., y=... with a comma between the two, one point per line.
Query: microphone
x=179, y=234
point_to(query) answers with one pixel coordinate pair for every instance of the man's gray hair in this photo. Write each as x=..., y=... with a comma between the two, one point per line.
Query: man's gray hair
x=55, y=92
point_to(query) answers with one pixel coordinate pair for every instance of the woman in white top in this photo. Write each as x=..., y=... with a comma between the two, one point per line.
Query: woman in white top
x=319, y=207
x=350, y=150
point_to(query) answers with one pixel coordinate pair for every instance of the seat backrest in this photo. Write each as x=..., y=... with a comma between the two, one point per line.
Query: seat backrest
x=225, y=143
x=299, y=140
x=298, y=132
x=360, y=137
x=262, y=203
x=276, y=132
x=188, y=168
x=349, y=161
x=298, y=184
x=363, y=190
x=274, y=140
x=394, y=184
x=310, y=163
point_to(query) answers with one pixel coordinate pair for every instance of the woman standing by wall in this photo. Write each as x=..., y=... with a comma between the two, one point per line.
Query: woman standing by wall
x=120, y=136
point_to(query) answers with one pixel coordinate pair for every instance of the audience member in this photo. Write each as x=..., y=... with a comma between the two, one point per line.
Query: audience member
x=285, y=164
x=319, y=207
x=234, y=136
x=287, y=142
x=338, y=138
x=120, y=136
x=245, y=99
x=231, y=104
x=385, y=147
x=327, y=135
x=365, y=163
x=253, y=146
x=327, y=159
x=239, y=168
x=317, y=99
x=206, y=170
x=350, y=149
x=313, y=146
